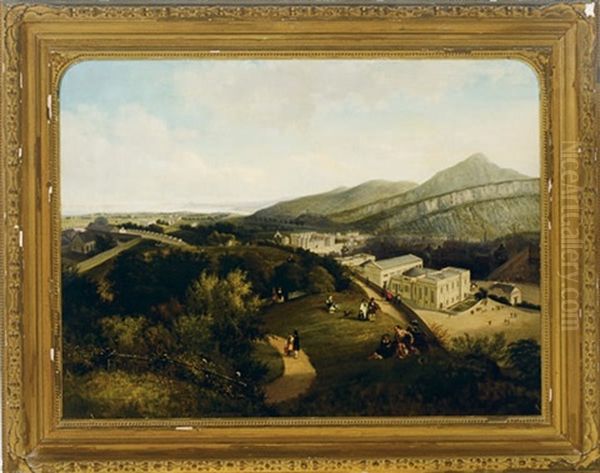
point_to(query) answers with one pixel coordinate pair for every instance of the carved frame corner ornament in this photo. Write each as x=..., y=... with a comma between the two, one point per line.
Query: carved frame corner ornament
x=38, y=43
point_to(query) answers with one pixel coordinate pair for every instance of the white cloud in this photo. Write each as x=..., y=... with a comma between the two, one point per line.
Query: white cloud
x=251, y=131
x=286, y=94
x=133, y=159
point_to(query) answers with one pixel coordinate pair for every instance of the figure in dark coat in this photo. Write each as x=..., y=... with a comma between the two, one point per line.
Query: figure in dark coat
x=296, y=343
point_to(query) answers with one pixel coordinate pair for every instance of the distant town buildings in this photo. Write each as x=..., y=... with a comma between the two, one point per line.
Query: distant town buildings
x=509, y=292
x=321, y=243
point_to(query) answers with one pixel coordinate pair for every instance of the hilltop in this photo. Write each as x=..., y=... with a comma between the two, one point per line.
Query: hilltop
x=471, y=200
x=336, y=200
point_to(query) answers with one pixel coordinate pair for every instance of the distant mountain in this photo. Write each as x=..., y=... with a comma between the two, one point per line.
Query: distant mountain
x=474, y=171
x=472, y=200
x=336, y=200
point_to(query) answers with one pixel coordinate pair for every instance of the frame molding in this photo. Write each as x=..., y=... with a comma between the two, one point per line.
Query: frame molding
x=40, y=42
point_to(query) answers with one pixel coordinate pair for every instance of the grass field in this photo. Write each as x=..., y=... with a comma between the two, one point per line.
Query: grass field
x=272, y=360
x=338, y=347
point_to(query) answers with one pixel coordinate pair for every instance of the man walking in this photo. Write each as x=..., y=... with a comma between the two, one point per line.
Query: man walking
x=296, y=343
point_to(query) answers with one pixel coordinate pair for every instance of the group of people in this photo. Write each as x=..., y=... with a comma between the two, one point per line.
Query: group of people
x=368, y=309
x=404, y=343
x=292, y=344
x=331, y=306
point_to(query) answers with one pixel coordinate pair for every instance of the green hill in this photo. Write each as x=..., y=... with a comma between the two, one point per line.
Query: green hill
x=476, y=170
x=336, y=200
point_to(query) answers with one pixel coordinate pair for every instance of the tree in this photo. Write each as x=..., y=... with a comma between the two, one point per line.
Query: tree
x=289, y=276
x=524, y=357
x=500, y=255
x=231, y=309
x=142, y=279
x=494, y=347
x=339, y=273
x=105, y=242
x=82, y=307
x=320, y=281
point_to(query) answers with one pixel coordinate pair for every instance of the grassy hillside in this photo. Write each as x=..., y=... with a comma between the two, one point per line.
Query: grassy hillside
x=336, y=200
x=475, y=221
x=477, y=170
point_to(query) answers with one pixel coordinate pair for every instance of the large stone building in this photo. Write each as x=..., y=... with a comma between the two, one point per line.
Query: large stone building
x=381, y=271
x=320, y=243
x=432, y=288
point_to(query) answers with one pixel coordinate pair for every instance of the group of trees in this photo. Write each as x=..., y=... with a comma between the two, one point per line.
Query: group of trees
x=152, y=227
x=186, y=320
x=480, y=258
x=171, y=323
x=214, y=234
x=310, y=273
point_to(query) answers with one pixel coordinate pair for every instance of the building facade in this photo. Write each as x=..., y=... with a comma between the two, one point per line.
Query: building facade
x=432, y=288
x=509, y=292
x=83, y=243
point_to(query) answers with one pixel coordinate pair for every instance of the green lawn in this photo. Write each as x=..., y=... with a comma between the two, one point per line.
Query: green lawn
x=338, y=347
x=272, y=360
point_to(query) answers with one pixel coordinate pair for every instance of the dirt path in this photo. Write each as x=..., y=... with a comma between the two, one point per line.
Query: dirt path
x=298, y=375
x=386, y=307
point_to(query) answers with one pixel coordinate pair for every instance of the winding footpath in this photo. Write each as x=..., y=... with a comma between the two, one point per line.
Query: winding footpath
x=298, y=375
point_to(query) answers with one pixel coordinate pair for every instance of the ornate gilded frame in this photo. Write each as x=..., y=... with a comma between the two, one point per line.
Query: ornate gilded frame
x=40, y=42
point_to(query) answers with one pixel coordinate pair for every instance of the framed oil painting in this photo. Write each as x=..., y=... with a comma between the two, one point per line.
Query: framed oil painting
x=279, y=238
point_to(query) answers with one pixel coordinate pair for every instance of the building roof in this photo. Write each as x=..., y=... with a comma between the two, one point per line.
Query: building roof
x=86, y=236
x=417, y=272
x=397, y=261
x=455, y=269
x=503, y=287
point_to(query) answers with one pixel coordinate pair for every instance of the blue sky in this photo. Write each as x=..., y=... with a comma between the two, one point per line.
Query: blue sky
x=168, y=135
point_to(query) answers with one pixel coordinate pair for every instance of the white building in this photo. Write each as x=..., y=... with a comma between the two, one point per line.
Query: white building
x=381, y=271
x=320, y=243
x=509, y=292
x=432, y=288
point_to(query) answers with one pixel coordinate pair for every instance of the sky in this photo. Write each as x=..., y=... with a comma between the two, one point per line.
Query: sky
x=166, y=135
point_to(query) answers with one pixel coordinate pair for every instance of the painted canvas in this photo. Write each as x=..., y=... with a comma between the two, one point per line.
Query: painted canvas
x=332, y=237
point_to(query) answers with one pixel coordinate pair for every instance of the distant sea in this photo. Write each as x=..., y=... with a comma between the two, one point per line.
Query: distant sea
x=241, y=208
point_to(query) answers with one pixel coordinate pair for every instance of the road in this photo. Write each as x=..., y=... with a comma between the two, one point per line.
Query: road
x=298, y=375
x=386, y=307
x=160, y=237
x=103, y=257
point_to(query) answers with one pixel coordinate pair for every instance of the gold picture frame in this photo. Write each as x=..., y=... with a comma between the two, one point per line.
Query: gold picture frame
x=40, y=42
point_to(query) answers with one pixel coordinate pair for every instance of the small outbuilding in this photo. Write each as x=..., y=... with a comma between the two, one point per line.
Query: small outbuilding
x=509, y=292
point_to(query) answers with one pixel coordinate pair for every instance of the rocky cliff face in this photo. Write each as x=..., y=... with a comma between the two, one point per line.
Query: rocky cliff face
x=476, y=221
x=475, y=203
x=472, y=200
x=335, y=201
x=476, y=170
